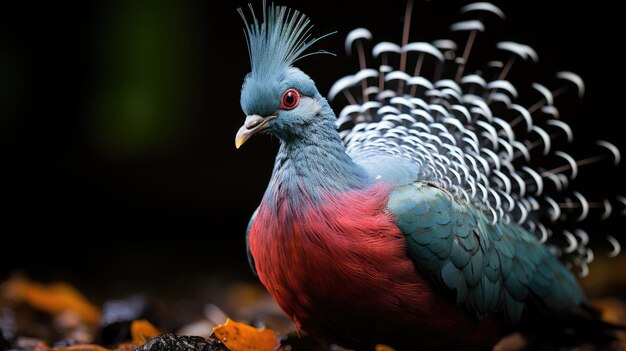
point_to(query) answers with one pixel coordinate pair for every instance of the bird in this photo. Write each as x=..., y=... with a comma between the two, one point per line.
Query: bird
x=435, y=210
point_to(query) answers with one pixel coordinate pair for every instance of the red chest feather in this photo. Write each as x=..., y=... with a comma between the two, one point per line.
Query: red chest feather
x=341, y=270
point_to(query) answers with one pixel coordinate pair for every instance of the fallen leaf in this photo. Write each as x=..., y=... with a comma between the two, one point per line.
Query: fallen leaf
x=54, y=298
x=242, y=337
x=141, y=331
x=383, y=347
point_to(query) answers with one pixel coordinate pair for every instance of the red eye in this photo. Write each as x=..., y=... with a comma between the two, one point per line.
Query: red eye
x=290, y=99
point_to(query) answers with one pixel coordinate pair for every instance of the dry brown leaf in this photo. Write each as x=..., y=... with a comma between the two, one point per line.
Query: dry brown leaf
x=242, y=337
x=54, y=298
x=142, y=330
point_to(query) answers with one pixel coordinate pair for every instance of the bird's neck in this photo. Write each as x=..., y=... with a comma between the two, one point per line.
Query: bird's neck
x=308, y=169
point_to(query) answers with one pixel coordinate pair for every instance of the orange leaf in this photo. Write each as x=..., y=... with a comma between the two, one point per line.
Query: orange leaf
x=141, y=331
x=53, y=298
x=242, y=337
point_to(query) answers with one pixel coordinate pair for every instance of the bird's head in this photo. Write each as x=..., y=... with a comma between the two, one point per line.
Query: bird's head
x=276, y=97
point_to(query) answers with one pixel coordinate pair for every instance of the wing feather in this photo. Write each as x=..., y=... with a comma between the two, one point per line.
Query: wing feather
x=493, y=269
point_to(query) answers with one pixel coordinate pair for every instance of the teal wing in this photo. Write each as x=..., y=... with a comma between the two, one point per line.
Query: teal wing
x=250, y=258
x=496, y=269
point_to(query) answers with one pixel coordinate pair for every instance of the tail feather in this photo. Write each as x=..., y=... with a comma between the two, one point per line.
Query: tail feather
x=501, y=145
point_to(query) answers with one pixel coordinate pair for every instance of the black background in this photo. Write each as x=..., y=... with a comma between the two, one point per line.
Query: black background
x=72, y=209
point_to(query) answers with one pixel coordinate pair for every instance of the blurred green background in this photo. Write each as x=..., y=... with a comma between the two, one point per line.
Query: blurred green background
x=117, y=123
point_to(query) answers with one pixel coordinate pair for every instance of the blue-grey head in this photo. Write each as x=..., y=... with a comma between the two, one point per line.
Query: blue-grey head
x=277, y=97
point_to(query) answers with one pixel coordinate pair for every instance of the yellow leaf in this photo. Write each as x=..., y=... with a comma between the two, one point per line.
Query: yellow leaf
x=54, y=298
x=141, y=331
x=242, y=337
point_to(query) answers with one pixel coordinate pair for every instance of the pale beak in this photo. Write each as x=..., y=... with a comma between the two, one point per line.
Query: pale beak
x=252, y=125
